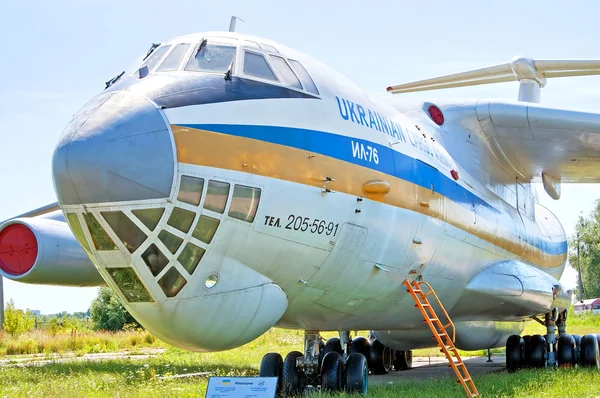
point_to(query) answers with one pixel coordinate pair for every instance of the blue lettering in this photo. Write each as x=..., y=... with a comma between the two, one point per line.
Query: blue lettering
x=372, y=121
x=400, y=133
x=353, y=116
x=361, y=113
x=383, y=123
x=344, y=116
x=394, y=130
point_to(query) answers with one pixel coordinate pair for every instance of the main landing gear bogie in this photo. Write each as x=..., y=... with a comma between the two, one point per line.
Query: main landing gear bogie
x=546, y=351
x=340, y=364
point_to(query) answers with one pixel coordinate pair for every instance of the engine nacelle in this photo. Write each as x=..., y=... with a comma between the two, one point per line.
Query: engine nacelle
x=45, y=252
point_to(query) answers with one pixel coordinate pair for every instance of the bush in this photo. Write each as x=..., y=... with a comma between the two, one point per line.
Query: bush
x=108, y=313
x=17, y=321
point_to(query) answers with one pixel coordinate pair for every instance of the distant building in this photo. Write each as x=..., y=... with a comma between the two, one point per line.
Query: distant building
x=592, y=305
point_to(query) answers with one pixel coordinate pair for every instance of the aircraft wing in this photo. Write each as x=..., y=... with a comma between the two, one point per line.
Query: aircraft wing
x=52, y=207
x=534, y=141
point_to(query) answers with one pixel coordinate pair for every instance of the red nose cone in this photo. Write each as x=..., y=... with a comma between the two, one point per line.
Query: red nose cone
x=18, y=249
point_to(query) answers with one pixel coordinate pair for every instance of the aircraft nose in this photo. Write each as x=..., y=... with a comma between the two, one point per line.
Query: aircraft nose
x=118, y=147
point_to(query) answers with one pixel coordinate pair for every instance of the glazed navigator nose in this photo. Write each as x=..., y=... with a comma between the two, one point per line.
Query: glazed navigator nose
x=117, y=148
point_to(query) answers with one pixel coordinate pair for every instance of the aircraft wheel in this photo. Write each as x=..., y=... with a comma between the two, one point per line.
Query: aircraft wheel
x=357, y=374
x=565, y=352
x=332, y=372
x=381, y=358
x=589, y=355
x=272, y=366
x=402, y=360
x=515, y=347
x=535, y=352
x=577, y=339
x=321, y=353
x=333, y=344
x=292, y=380
x=361, y=345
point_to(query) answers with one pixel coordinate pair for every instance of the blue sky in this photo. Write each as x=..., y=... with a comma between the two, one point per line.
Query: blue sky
x=57, y=54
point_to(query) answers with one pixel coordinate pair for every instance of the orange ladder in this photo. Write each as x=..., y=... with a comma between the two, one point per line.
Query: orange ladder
x=440, y=333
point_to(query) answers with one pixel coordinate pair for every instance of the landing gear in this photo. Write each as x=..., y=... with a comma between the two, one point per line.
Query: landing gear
x=589, y=355
x=381, y=358
x=515, y=353
x=542, y=351
x=402, y=360
x=565, y=351
x=357, y=374
x=331, y=366
x=332, y=372
x=272, y=366
x=535, y=352
x=292, y=379
x=360, y=345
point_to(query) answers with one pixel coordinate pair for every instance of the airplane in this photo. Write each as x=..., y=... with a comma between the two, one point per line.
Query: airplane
x=230, y=184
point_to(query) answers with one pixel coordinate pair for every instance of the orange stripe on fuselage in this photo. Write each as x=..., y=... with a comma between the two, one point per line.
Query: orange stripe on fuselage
x=206, y=148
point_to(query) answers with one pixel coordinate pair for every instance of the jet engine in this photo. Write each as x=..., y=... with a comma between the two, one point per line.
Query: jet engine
x=44, y=251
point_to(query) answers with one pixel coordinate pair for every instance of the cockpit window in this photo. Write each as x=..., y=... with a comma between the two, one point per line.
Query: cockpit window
x=307, y=81
x=284, y=70
x=256, y=65
x=251, y=43
x=212, y=58
x=156, y=57
x=269, y=48
x=174, y=58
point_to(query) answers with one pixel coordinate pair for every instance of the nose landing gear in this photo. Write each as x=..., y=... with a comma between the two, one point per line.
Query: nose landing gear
x=546, y=351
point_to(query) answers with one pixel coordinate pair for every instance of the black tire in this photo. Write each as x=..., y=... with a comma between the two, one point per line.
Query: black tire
x=357, y=374
x=381, y=358
x=577, y=339
x=535, y=352
x=589, y=354
x=361, y=345
x=402, y=360
x=565, y=350
x=515, y=347
x=292, y=380
x=272, y=366
x=321, y=354
x=332, y=372
x=526, y=339
x=333, y=344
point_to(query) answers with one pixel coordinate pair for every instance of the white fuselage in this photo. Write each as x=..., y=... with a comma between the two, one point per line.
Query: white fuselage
x=357, y=194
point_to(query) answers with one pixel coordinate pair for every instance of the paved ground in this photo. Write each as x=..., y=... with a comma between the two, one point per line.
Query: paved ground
x=41, y=359
x=437, y=367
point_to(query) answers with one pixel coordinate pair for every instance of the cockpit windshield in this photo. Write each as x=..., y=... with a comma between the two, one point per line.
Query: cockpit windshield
x=212, y=58
x=156, y=56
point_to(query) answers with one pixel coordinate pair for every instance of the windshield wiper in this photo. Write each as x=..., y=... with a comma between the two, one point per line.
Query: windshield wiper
x=153, y=47
x=228, y=73
x=113, y=80
x=200, y=47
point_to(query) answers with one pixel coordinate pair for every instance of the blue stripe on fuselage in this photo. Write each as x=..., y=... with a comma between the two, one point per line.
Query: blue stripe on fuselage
x=390, y=162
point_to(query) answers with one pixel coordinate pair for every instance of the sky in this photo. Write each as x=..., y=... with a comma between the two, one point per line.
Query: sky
x=57, y=54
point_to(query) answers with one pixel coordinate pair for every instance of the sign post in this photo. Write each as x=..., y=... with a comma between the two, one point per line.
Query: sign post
x=241, y=387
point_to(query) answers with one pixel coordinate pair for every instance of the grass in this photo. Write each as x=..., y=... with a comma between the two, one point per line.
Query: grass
x=127, y=378
x=42, y=342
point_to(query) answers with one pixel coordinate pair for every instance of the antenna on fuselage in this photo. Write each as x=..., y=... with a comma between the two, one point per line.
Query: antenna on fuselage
x=232, y=23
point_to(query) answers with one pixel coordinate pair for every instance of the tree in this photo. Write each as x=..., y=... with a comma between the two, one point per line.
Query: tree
x=588, y=230
x=108, y=313
x=17, y=321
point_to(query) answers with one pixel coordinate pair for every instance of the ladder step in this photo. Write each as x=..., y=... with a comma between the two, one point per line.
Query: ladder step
x=441, y=333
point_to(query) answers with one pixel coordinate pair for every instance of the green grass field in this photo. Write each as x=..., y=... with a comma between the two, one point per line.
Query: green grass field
x=150, y=377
